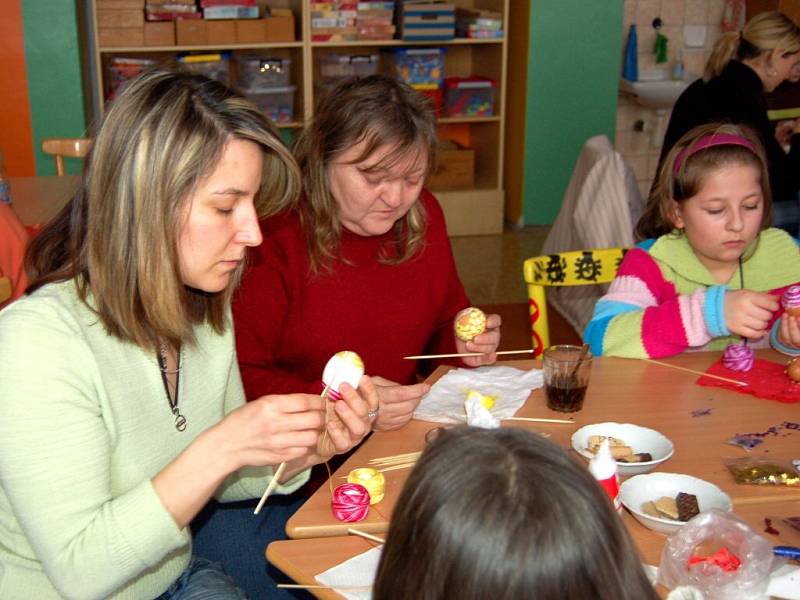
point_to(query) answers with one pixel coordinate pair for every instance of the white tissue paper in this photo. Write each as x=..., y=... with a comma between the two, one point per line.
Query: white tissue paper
x=510, y=387
x=356, y=572
x=478, y=415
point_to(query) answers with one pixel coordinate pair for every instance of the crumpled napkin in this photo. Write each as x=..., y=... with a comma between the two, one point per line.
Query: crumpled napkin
x=356, y=572
x=510, y=386
x=478, y=415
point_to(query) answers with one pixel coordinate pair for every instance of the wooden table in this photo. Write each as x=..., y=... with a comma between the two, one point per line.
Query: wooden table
x=37, y=199
x=620, y=390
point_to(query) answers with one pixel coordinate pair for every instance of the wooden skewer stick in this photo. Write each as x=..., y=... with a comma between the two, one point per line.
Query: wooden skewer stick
x=279, y=473
x=536, y=420
x=405, y=456
x=365, y=535
x=700, y=373
x=465, y=354
x=271, y=487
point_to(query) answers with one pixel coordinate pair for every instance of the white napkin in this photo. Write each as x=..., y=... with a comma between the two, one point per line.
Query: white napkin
x=356, y=572
x=478, y=415
x=784, y=582
x=511, y=387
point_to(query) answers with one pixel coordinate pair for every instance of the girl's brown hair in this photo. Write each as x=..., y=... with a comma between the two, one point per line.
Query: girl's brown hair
x=765, y=32
x=694, y=163
x=118, y=236
x=505, y=514
x=382, y=112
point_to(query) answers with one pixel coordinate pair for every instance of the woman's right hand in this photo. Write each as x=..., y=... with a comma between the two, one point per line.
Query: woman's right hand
x=272, y=429
x=747, y=313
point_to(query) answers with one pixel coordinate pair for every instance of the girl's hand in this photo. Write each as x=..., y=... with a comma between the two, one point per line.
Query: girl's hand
x=748, y=313
x=487, y=343
x=789, y=331
x=349, y=421
x=397, y=403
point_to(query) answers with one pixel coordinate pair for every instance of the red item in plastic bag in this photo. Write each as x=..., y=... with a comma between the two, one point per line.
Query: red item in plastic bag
x=722, y=558
x=765, y=380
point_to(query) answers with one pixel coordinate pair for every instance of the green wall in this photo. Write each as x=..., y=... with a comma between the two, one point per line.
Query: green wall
x=52, y=55
x=573, y=71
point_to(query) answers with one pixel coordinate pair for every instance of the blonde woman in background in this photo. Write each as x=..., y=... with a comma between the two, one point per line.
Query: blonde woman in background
x=121, y=404
x=743, y=66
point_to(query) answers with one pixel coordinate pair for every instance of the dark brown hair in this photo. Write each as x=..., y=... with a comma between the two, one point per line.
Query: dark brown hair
x=657, y=218
x=505, y=514
x=382, y=112
x=118, y=235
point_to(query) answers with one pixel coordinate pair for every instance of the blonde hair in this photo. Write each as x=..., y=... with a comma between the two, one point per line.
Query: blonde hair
x=765, y=32
x=381, y=112
x=686, y=166
x=118, y=236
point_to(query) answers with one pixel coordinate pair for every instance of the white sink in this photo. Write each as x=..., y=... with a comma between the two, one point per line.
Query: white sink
x=660, y=94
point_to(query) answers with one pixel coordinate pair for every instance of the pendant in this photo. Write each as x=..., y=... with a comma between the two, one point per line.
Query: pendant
x=180, y=420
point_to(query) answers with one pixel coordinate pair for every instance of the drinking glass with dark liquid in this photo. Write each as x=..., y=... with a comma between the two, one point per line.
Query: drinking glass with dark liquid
x=566, y=377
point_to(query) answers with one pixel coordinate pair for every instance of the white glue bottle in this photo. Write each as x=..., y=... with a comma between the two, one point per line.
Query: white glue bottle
x=604, y=468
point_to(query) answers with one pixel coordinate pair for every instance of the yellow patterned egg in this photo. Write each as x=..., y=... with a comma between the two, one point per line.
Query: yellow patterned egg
x=469, y=323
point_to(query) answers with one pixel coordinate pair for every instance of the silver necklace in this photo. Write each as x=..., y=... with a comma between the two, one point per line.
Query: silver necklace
x=180, y=420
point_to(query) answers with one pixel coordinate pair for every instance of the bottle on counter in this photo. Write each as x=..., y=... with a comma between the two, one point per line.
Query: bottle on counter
x=5, y=186
x=604, y=468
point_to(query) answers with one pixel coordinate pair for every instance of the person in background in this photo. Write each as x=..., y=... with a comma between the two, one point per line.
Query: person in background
x=742, y=67
x=361, y=261
x=13, y=241
x=708, y=271
x=121, y=405
x=505, y=514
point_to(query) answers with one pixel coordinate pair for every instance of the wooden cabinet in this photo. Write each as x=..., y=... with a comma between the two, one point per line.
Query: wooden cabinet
x=791, y=8
x=477, y=210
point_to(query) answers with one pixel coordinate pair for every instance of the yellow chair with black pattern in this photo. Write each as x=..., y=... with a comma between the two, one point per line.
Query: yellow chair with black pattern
x=565, y=269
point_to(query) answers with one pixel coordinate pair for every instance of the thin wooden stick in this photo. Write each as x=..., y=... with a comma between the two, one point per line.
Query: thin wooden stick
x=271, y=487
x=536, y=420
x=394, y=457
x=282, y=467
x=465, y=354
x=396, y=467
x=300, y=586
x=366, y=536
x=700, y=373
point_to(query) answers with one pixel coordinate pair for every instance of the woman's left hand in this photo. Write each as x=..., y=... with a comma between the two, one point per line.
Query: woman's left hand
x=350, y=420
x=486, y=343
x=789, y=331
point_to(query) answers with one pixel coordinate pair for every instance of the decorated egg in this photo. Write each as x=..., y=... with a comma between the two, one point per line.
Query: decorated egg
x=343, y=367
x=738, y=357
x=793, y=369
x=469, y=323
x=791, y=301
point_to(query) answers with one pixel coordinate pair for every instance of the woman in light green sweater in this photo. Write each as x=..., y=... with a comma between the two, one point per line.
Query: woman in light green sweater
x=121, y=405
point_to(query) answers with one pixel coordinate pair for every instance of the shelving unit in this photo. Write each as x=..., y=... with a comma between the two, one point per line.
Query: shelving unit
x=478, y=210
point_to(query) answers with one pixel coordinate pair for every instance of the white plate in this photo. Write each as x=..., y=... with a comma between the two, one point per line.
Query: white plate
x=648, y=488
x=640, y=439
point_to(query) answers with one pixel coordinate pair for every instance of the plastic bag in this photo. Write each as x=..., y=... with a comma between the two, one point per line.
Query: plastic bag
x=707, y=533
x=755, y=470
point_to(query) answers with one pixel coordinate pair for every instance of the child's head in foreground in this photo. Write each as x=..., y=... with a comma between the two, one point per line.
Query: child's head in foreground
x=505, y=514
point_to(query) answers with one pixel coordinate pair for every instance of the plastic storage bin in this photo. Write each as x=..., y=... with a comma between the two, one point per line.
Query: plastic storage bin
x=215, y=66
x=257, y=73
x=347, y=65
x=469, y=97
x=417, y=66
x=277, y=102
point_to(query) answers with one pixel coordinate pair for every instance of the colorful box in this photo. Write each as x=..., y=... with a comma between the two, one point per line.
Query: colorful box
x=469, y=97
x=426, y=21
x=417, y=66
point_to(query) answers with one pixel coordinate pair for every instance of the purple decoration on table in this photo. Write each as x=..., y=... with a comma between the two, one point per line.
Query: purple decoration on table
x=702, y=412
x=791, y=297
x=738, y=357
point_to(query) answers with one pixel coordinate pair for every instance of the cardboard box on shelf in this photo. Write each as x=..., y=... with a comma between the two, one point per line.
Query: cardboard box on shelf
x=279, y=26
x=159, y=33
x=120, y=18
x=221, y=32
x=190, y=32
x=119, y=4
x=250, y=31
x=120, y=36
x=455, y=167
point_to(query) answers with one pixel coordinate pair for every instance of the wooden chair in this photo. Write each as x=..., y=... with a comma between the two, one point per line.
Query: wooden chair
x=61, y=147
x=578, y=267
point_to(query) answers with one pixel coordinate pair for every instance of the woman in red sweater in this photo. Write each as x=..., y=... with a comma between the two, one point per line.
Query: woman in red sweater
x=362, y=261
